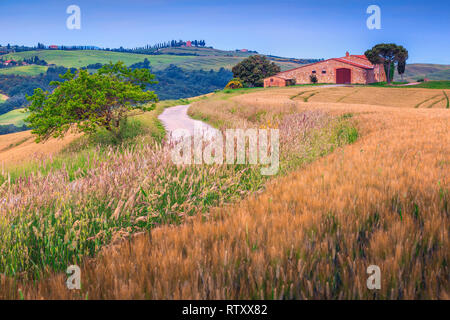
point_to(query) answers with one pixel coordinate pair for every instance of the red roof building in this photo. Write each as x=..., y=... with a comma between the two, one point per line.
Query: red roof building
x=53, y=47
x=351, y=69
x=188, y=44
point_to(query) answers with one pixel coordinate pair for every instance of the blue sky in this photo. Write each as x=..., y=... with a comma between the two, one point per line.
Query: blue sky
x=301, y=28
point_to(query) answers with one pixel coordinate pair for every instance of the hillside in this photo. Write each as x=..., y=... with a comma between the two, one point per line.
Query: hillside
x=82, y=58
x=32, y=70
x=417, y=71
x=187, y=58
x=14, y=117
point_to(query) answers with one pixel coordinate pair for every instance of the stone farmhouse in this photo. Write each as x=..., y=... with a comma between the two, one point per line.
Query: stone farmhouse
x=351, y=69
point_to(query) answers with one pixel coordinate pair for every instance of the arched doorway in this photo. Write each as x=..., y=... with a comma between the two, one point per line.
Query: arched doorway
x=343, y=76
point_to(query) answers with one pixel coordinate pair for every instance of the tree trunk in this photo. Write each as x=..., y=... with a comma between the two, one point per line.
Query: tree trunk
x=388, y=76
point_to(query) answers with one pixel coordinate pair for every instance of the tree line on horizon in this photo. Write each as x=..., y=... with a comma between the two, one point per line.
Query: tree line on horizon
x=147, y=49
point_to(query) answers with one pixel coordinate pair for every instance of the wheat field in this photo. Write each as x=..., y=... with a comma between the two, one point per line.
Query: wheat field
x=311, y=234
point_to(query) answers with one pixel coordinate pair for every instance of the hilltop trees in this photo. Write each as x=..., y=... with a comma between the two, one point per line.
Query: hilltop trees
x=89, y=101
x=254, y=69
x=389, y=54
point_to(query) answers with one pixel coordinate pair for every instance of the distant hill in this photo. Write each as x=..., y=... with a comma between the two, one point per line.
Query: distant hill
x=32, y=70
x=190, y=58
x=417, y=71
x=14, y=117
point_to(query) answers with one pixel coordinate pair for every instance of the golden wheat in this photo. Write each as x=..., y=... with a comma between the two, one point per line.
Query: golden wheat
x=310, y=235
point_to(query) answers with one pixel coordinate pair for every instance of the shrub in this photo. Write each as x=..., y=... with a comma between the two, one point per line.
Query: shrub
x=234, y=83
x=313, y=78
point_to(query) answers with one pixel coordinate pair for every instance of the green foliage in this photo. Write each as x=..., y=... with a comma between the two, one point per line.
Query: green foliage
x=401, y=67
x=128, y=130
x=176, y=83
x=254, y=69
x=387, y=54
x=234, y=83
x=313, y=78
x=90, y=101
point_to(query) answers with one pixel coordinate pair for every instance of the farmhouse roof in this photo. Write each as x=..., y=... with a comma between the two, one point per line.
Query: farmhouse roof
x=356, y=64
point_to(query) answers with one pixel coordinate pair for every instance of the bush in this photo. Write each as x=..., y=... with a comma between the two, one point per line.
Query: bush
x=234, y=83
x=313, y=78
x=128, y=130
x=254, y=69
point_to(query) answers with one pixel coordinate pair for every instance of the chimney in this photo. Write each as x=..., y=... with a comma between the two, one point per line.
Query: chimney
x=347, y=54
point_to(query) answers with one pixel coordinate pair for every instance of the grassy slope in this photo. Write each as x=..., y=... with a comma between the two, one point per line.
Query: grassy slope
x=14, y=117
x=32, y=70
x=216, y=60
x=83, y=58
x=422, y=70
x=77, y=163
x=313, y=233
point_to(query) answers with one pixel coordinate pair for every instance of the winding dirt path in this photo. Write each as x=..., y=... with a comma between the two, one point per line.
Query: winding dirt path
x=179, y=124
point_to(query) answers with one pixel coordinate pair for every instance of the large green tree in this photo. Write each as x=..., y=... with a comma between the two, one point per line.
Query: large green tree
x=89, y=101
x=387, y=54
x=254, y=69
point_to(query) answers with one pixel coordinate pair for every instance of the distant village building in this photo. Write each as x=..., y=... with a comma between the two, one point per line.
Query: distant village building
x=351, y=69
x=188, y=43
x=244, y=50
x=54, y=47
x=9, y=62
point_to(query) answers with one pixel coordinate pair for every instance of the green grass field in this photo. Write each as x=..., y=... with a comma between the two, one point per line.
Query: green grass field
x=32, y=70
x=444, y=84
x=14, y=117
x=82, y=58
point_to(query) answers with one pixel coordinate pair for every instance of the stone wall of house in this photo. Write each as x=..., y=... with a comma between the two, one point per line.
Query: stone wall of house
x=274, y=82
x=379, y=73
x=326, y=73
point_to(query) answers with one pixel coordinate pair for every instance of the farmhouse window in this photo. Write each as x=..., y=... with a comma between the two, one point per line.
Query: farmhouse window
x=314, y=71
x=324, y=71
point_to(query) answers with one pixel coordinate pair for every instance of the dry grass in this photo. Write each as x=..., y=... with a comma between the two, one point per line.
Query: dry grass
x=310, y=235
x=389, y=97
x=17, y=148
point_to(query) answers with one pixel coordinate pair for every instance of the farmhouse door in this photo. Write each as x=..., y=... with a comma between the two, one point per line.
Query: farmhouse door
x=343, y=76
